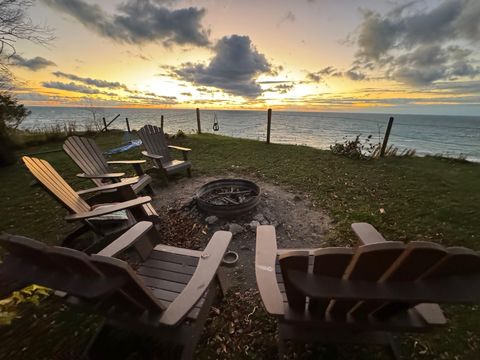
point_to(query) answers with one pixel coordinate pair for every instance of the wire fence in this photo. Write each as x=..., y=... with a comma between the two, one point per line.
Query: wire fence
x=427, y=134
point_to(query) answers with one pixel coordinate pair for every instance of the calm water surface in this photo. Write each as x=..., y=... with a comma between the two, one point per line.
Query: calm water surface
x=428, y=134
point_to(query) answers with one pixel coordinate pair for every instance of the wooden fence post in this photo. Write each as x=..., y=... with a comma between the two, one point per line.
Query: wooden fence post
x=128, y=125
x=199, y=127
x=269, y=124
x=385, y=138
x=105, y=124
x=161, y=122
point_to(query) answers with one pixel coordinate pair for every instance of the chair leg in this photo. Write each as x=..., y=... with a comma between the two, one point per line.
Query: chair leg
x=189, y=172
x=68, y=241
x=149, y=190
x=394, y=348
x=281, y=348
x=187, y=352
x=222, y=281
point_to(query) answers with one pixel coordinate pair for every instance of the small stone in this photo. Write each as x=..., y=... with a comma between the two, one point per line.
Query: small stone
x=211, y=219
x=235, y=228
x=253, y=225
x=264, y=222
x=297, y=198
x=259, y=217
x=245, y=247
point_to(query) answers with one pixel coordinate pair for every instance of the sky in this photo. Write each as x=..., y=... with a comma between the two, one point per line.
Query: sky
x=397, y=56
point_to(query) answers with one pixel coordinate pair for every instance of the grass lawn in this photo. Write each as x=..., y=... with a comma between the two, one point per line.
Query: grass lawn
x=428, y=198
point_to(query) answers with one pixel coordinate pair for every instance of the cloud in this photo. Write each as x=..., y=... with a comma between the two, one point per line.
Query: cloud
x=331, y=71
x=314, y=76
x=70, y=87
x=234, y=68
x=288, y=17
x=153, y=100
x=139, y=21
x=354, y=74
x=414, y=45
x=284, y=88
x=430, y=63
x=33, y=64
x=89, y=81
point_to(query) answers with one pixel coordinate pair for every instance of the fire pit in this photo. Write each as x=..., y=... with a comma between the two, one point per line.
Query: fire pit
x=228, y=197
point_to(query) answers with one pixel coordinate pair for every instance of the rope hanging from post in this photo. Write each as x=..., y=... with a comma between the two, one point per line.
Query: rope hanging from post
x=216, y=126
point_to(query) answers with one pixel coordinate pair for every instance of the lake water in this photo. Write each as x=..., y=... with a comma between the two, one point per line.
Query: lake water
x=427, y=134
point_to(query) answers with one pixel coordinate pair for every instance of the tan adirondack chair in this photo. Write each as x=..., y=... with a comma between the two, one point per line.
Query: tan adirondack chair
x=168, y=295
x=363, y=294
x=90, y=159
x=153, y=140
x=138, y=208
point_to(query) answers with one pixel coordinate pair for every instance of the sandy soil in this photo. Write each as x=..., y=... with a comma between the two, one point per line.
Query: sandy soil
x=298, y=223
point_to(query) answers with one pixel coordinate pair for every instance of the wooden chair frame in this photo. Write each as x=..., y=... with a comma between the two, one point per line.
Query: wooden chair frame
x=139, y=208
x=158, y=151
x=168, y=296
x=362, y=295
x=90, y=159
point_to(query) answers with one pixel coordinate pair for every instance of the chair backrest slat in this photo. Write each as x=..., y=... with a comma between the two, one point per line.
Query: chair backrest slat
x=329, y=262
x=459, y=261
x=154, y=141
x=87, y=155
x=294, y=260
x=56, y=185
x=32, y=251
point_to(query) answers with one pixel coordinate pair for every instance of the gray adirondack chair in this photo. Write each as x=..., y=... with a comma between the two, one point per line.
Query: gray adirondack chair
x=168, y=295
x=138, y=208
x=158, y=150
x=364, y=294
x=90, y=159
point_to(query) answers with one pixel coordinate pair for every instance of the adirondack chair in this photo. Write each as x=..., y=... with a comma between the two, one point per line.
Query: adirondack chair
x=139, y=209
x=153, y=140
x=168, y=295
x=363, y=294
x=90, y=159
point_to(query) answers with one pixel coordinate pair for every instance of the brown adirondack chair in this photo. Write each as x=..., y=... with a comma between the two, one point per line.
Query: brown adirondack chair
x=168, y=295
x=138, y=209
x=363, y=294
x=153, y=140
x=90, y=159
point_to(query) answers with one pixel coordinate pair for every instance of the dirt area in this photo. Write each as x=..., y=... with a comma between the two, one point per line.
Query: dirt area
x=298, y=223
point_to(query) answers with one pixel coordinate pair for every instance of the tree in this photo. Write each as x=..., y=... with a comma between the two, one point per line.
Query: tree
x=11, y=116
x=15, y=24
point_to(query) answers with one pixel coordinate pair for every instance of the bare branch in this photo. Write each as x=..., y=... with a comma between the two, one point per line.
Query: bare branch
x=15, y=24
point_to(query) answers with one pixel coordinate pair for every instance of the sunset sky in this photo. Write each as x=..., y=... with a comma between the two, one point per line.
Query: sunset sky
x=322, y=55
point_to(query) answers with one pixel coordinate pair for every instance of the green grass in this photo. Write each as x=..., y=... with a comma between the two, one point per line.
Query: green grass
x=428, y=198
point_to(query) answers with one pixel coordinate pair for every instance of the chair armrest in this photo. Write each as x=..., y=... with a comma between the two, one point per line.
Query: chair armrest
x=101, y=176
x=128, y=239
x=152, y=156
x=126, y=162
x=208, y=264
x=367, y=234
x=265, y=258
x=126, y=182
x=179, y=148
x=110, y=209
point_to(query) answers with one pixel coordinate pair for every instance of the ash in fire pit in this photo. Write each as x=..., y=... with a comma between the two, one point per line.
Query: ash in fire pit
x=228, y=197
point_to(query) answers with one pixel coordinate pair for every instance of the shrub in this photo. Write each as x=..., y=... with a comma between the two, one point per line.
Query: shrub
x=355, y=149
